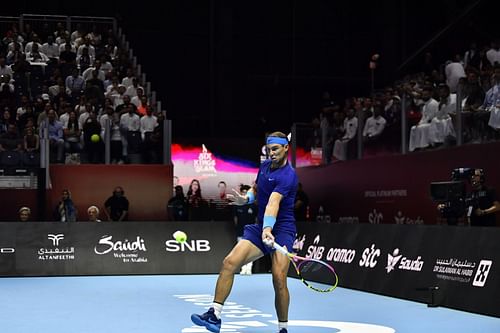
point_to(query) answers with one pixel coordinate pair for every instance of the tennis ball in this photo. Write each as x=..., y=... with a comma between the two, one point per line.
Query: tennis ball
x=180, y=236
x=95, y=138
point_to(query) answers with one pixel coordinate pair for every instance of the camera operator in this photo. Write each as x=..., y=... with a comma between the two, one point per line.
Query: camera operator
x=483, y=202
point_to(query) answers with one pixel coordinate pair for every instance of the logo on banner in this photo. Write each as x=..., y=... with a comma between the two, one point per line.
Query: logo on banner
x=401, y=219
x=123, y=250
x=55, y=238
x=392, y=260
x=7, y=250
x=56, y=253
x=375, y=217
x=205, y=163
x=369, y=257
x=405, y=264
x=193, y=245
x=482, y=273
x=453, y=269
x=314, y=251
x=333, y=254
x=298, y=244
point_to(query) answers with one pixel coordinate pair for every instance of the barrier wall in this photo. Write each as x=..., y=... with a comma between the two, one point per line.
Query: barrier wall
x=395, y=260
x=393, y=189
x=85, y=248
x=404, y=261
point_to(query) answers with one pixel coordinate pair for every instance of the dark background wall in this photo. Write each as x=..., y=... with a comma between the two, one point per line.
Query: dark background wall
x=238, y=68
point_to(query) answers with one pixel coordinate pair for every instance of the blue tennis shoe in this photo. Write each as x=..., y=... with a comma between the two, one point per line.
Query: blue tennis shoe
x=209, y=320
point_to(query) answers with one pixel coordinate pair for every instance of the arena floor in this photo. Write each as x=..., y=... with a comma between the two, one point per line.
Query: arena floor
x=163, y=304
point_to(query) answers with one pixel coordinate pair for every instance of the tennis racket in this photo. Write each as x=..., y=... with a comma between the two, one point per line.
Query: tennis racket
x=315, y=274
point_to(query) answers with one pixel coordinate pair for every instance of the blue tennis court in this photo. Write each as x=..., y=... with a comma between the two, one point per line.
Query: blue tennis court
x=163, y=304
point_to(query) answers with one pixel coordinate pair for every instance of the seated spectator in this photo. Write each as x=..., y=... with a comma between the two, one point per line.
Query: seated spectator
x=93, y=149
x=56, y=135
x=177, y=206
x=420, y=133
x=36, y=55
x=65, y=210
x=441, y=128
x=196, y=204
x=11, y=140
x=75, y=84
x=4, y=68
x=93, y=214
x=50, y=49
x=5, y=121
x=24, y=214
x=84, y=60
x=31, y=141
x=492, y=100
x=117, y=206
x=148, y=124
x=374, y=125
x=341, y=149
x=72, y=134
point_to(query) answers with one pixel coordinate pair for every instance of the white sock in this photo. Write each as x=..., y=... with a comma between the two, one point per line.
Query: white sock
x=217, y=309
x=282, y=324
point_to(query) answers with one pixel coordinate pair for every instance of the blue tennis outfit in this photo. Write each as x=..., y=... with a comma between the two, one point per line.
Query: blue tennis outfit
x=283, y=181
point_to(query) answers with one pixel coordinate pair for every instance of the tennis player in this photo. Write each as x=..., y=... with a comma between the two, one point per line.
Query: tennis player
x=277, y=185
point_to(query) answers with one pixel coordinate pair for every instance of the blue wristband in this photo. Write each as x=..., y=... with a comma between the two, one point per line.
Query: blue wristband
x=269, y=221
x=250, y=197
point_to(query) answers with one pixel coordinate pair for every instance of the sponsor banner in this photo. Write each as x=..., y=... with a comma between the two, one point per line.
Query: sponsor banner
x=409, y=261
x=83, y=248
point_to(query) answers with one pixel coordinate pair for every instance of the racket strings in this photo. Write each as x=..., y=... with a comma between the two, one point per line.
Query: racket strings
x=318, y=275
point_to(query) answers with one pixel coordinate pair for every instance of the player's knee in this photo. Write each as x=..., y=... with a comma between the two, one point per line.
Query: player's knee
x=230, y=264
x=279, y=281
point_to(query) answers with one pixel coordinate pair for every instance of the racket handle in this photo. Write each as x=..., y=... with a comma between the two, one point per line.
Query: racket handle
x=280, y=249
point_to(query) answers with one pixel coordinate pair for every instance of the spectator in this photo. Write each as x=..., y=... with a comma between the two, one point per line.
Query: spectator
x=195, y=201
x=93, y=149
x=117, y=206
x=65, y=210
x=219, y=205
x=344, y=146
x=93, y=214
x=485, y=202
x=31, y=141
x=56, y=138
x=374, y=125
x=24, y=214
x=11, y=141
x=301, y=206
x=177, y=206
x=72, y=134
x=244, y=215
x=419, y=134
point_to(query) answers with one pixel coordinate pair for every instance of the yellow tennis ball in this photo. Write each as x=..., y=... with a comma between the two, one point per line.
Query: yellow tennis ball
x=180, y=236
x=95, y=138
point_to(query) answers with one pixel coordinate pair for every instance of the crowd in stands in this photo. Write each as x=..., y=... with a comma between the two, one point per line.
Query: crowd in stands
x=83, y=88
x=431, y=96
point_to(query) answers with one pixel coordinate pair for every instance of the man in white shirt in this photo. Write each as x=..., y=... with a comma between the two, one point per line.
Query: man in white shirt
x=420, y=133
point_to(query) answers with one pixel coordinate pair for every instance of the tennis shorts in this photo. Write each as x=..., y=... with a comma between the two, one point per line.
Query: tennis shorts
x=253, y=233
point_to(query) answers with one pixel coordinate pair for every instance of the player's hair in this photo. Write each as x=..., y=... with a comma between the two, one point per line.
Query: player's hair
x=279, y=135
